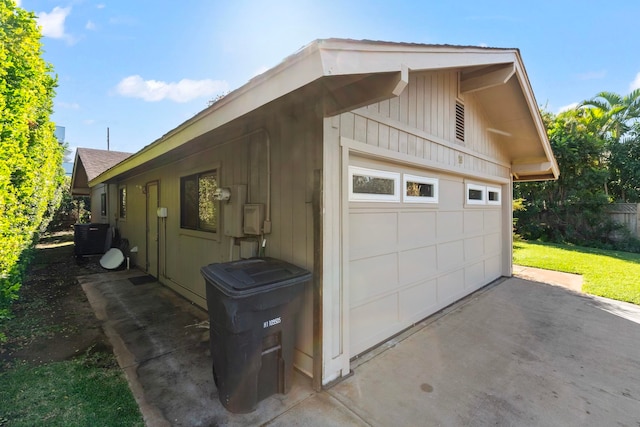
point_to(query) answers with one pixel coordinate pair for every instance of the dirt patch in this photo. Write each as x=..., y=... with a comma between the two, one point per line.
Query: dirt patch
x=53, y=319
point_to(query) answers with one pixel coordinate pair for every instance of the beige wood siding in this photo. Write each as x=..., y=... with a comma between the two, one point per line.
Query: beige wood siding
x=421, y=123
x=96, y=204
x=295, y=154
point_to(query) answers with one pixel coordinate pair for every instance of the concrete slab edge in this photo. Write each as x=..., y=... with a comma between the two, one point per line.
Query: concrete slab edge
x=151, y=415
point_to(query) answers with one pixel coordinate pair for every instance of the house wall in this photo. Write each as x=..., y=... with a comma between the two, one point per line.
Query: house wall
x=398, y=262
x=95, y=200
x=295, y=140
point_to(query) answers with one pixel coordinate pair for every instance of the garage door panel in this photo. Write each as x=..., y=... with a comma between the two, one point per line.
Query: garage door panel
x=473, y=248
x=492, y=220
x=373, y=322
x=473, y=221
x=450, y=255
x=450, y=287
x=372, y=276
x=493, y=268
x=449, y=224
x=416, y=229
x=451, y=195
x=417, y=302
x=474, y=276
x=417, y=264
x=406, y=261
x=372, y=234
x=492, y=243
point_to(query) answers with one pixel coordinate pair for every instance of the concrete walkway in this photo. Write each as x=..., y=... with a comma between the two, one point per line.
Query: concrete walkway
x=550, y=277
x=517, y=352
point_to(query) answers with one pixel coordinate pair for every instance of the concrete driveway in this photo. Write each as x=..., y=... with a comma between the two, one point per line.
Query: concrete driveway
x=517, y=352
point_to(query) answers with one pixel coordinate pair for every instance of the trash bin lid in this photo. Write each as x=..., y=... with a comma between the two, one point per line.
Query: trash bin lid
x=254, y=275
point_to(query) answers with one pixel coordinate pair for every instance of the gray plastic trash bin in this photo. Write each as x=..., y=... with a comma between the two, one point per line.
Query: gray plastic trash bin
x=253, y=306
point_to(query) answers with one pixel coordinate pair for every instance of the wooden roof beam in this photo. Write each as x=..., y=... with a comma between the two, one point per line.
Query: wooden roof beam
x=486, y=77
x=364, y=91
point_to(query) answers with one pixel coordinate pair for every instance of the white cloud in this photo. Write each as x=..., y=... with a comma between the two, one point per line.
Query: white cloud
x=90, y=25
x=69, y=105
x=183, y=91
x=635, y=84
x=88, y=122
x=52, y=23
x=101, y=6
x=593, y=75
x=19, y=3
x=568, y=107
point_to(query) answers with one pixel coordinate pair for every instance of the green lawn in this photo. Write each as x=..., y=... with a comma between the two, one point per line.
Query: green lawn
x=78, y=392
x=610, y=274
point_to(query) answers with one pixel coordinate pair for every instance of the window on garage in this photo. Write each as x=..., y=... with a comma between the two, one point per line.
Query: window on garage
x=420, y=189
x=493, y=196
x=366, y=185
x=483, y=195
x=476, y=194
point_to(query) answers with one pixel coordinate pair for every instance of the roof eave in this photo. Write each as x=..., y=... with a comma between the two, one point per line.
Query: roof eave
x=334, y=57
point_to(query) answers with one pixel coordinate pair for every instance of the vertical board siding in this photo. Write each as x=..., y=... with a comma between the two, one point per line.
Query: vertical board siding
x=240, y=161
x=296, y=151
x=428, y=106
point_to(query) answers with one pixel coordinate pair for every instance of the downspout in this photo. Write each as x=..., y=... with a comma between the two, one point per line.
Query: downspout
x=266, y=228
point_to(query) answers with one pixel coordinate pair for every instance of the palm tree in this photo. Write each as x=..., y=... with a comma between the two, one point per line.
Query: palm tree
x=611, y=114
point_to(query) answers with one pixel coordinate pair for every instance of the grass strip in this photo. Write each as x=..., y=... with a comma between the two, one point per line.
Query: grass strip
x=610, y=274
x=78, y=392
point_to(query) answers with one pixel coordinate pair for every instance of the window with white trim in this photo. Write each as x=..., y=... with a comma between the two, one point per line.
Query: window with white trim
x=372, y=185
x=420, y=189
x=476, y=194
x=494, y=196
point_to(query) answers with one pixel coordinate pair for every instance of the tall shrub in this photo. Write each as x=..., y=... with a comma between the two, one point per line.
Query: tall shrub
x=30, y=155
x=573, y=208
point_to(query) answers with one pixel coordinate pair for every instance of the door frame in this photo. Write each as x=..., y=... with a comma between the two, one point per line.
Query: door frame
x=149, y=211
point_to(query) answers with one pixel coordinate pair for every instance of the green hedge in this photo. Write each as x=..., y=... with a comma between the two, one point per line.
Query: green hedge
x=30, y=155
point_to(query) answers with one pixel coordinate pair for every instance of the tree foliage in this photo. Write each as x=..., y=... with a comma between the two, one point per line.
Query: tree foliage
x=597, y=146
x=30, y=155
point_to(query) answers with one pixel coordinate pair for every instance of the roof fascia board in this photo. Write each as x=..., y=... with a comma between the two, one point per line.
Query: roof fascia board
x=360, y=60
x=330, y=58
x=527, y=90
x=73, y=173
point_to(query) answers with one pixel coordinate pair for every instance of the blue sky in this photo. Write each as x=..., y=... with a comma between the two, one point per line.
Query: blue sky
x=142, y=67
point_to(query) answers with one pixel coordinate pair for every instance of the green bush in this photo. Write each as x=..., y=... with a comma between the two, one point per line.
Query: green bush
x=30, y=155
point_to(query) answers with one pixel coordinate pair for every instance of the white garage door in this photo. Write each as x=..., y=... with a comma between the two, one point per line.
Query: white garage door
x=412, y=256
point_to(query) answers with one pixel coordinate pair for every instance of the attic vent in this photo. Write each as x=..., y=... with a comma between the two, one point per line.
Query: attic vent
x=459, y=121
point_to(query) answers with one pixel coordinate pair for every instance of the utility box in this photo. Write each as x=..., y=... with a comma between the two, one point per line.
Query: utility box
x=233, y=211
x=253, y=308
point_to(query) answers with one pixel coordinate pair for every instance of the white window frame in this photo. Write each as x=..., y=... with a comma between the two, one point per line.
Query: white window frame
x=420, y=180
x=498, y=192
x=367, y=197
x=476, y=187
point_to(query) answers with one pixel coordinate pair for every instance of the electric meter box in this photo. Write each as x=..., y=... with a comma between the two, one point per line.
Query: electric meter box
x=233, y=211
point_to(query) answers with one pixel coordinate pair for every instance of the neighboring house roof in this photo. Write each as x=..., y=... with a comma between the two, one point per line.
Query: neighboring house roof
x=90, y=163
x=349, y=74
